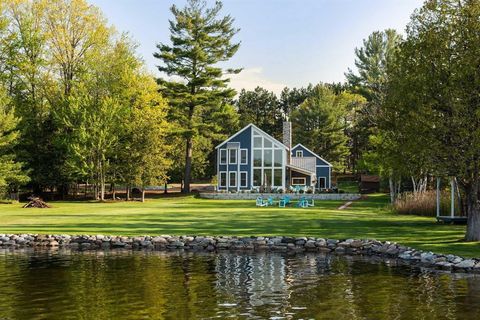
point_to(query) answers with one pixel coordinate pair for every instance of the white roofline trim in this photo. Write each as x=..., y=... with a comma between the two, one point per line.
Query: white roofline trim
x=256, y=128
x=316, y=155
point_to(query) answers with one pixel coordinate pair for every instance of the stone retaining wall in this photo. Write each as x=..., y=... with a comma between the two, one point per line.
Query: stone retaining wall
x=277, y=196
x=273, y=244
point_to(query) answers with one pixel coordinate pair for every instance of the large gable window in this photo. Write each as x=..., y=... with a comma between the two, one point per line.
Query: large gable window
x=267, y=155
x=299, y=153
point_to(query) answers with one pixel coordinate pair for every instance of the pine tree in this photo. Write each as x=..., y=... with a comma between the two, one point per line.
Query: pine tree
x=319, y=124
x=261, y=108
x=200, y=40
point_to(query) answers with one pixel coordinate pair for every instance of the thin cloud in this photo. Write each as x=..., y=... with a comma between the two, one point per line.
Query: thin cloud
x=250, y=78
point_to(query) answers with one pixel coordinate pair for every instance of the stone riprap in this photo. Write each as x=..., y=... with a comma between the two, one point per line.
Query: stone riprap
x=217, y=243
x=277, y=196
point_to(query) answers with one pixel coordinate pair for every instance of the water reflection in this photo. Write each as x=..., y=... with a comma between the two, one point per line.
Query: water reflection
x=159, y=285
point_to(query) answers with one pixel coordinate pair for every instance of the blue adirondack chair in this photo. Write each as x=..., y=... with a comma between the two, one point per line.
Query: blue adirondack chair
x=270, y=201
x=284, y=201
x=308, y=203
x=261, y=203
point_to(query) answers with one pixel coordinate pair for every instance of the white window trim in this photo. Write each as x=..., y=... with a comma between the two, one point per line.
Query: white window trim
x=220, y=156
x=220, y=179
x=325, y=184
x=230, y=185
x=299, y=184
x=246, y=179
x=236, y=156
x=262, y=168
x=299, y=154
x=246, y=156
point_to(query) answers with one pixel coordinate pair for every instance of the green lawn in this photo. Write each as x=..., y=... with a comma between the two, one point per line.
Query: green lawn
x=187, y=215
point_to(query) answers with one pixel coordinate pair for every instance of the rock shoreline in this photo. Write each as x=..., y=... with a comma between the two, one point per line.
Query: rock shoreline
x=364, y=247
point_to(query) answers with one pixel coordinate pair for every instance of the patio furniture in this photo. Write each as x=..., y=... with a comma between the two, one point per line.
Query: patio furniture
x=264, y=203
x=284, y=201
x=308, y=203
x=261, y=203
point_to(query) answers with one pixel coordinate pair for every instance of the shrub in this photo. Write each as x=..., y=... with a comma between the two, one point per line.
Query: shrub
x=424, y=204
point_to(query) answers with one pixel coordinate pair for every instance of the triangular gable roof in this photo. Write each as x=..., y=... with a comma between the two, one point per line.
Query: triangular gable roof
x=256, y=128
x=316, y=155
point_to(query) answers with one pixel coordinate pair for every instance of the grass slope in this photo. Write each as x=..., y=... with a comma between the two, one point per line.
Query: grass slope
x=187, y=215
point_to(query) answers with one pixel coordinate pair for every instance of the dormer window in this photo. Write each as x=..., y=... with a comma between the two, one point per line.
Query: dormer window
x=299, y=153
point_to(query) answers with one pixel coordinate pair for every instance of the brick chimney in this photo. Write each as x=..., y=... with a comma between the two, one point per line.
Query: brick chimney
x=287, y=138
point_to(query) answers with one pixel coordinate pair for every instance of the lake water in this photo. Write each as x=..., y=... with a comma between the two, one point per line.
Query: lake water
x=160, y=285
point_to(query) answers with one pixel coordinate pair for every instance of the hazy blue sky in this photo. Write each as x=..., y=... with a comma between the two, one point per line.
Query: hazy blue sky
x=284, y=42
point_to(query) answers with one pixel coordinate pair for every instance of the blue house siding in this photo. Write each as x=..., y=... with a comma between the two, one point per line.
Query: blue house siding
x=245, y=140
x=324, y=172
x=323, y=169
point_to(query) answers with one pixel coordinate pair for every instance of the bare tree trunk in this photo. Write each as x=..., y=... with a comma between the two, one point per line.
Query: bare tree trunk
x=114, y=191
x=188, y=165
x=102, y=181
x=414, y=183
x=473, y=212
x=143, y=194
x=128, y=192
x=392, y=188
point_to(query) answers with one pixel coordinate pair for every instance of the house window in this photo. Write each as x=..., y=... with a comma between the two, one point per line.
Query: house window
x=278, y=157
x=267, y=176
x=267, y=143
x=299, y=153
x=243, y=156
x=299, y=181
x=267, y=158
x=222, y=179
x=322, y=183
x=232, y=156
x=257, y=158
x=233, y=179
x=243, y=179
x=277, y=177
x=257, y=177
x=223, y=156
x=257, y=142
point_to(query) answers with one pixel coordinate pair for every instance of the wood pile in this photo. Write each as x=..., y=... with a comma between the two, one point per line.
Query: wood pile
x=36, y=202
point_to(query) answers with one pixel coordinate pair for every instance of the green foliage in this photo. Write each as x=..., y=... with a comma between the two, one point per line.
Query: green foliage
x=78, y=87
x=200, y=39
x=11, y=173
x=370, y=80
x=431, y=114
x=319, y=123
x=260, y=107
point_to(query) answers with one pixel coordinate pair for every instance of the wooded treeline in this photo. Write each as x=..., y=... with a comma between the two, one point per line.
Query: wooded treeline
x=76, y=104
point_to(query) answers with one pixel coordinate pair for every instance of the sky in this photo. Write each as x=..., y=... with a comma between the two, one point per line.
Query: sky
x=283, y=42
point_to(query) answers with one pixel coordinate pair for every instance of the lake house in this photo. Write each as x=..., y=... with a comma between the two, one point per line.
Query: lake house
x=251, y=158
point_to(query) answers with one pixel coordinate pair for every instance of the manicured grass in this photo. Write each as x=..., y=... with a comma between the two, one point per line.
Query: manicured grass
x=368, y=218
